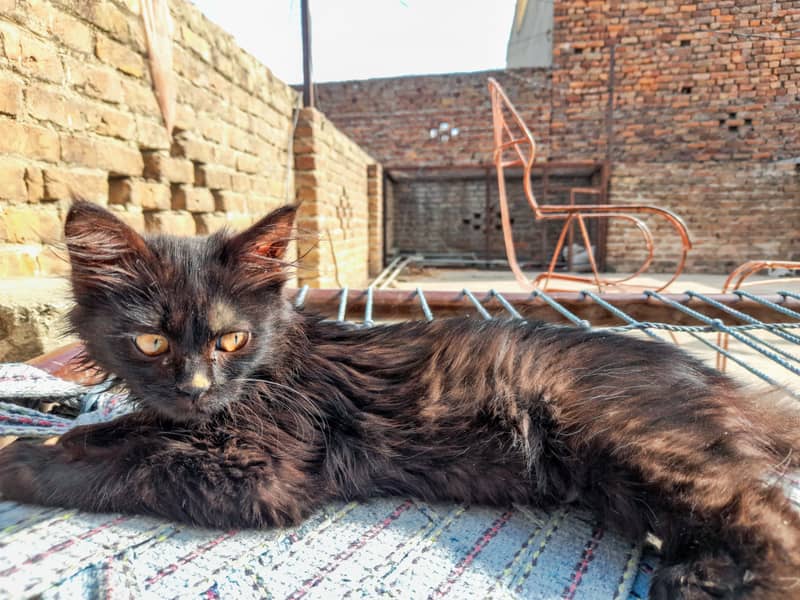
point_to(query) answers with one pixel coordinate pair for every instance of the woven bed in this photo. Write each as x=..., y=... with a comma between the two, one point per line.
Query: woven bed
x=392, y=547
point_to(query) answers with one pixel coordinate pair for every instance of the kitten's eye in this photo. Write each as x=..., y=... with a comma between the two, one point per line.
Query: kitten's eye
x=232, y=341
x=151, y=344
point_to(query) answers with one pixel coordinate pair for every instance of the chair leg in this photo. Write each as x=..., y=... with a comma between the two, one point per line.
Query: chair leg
x=549, y=274
x=590, y=254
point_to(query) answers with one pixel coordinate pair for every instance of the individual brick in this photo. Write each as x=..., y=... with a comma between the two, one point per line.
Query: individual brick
x=207, y=223
x=10, y=95
x=119, y=56
x=193, y=199
x=228, y=201
x=161, y=166
x=71, y=32
x=146, y=194
x=211, y=176
x=34, y=180
x=23, y=223
x=12, y=180
x=64, y=184
x=111, y=122
x=30, y=141
x=50, y=104
x=40, y=59
x=97, y=81
x=175, y=223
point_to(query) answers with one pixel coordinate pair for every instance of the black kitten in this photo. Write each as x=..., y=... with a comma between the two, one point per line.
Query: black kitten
x=254, y=414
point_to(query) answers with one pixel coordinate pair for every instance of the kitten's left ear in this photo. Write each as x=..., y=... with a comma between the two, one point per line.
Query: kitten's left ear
x=104, y=252
x=263, y=245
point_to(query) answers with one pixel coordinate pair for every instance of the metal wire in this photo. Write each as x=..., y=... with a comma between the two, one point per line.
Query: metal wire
x=506, y=304
x=564, y=312
x=718, y=325
x=426, y=310
x=478, y=306
x=777, y=307
x=342, y=305
x=745, y=331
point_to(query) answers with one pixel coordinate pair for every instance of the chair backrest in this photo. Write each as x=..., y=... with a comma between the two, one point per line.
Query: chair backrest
x=511, y=137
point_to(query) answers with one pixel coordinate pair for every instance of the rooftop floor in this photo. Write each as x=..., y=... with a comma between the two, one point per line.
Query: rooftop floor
x=479, y=280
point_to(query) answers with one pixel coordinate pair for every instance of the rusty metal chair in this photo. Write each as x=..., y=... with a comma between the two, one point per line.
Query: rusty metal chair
x=736, y=280
x=511, y=136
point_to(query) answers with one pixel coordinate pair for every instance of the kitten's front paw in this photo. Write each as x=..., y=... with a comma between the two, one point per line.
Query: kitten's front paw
x=710, y=577
x=20, y=463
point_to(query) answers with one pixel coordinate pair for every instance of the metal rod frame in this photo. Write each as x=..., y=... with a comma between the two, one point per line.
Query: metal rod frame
x=511, y=135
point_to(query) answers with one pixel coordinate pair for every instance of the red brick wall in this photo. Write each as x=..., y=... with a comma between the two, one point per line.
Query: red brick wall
x=707, y=99
x=693, y=80
x=392, y=118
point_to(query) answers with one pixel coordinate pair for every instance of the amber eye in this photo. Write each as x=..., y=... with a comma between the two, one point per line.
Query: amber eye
x=231, y=342
x=151, y=344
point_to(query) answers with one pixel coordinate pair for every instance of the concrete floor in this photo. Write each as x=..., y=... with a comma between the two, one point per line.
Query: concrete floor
x=480, y=280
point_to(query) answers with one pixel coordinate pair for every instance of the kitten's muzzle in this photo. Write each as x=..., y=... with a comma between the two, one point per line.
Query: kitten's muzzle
x=194, y=387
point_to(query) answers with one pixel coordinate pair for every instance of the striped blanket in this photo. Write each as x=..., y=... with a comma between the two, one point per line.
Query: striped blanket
x=389, y=547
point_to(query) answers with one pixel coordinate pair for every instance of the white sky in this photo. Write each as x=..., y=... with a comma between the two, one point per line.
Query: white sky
x=359, y=39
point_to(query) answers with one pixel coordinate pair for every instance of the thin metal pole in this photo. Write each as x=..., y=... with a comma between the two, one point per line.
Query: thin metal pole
x=610, y=109
x=308, y=85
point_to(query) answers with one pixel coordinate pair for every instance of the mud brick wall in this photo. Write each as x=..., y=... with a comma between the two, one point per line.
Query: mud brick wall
x=78, y=115
x=705, y=112
x=694, y=80
x=336, y=184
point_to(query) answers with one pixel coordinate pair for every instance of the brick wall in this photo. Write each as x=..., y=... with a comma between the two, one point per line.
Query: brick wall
x=735, y=211
x=392, y=118
x=707, y=98
x=448, y=216
x=78, y=115
x=694, y=80
x=336, y=182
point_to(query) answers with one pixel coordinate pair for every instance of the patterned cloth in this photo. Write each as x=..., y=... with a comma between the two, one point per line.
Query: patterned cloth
x=389, y=547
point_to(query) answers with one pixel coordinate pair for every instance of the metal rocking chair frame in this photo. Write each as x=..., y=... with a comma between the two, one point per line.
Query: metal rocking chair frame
x=512, y=134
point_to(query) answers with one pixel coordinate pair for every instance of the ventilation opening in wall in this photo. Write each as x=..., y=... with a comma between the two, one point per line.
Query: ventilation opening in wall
x=748, y=122
x=578, y=50
x=685, y=43
x=733, y=128
x=499, y=225
x=687, y=89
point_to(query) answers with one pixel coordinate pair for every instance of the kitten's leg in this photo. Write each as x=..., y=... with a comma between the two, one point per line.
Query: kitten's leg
x=132, y=466
x=748, y=547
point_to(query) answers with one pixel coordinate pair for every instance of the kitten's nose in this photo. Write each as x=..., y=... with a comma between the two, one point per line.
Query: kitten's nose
x=196, y=386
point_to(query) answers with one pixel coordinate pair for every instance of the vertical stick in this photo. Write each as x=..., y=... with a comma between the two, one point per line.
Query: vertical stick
x=308, y=85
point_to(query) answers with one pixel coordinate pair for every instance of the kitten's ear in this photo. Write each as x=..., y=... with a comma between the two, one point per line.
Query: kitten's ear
x=268, y=238
x=260, y=249
x=103, y=251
